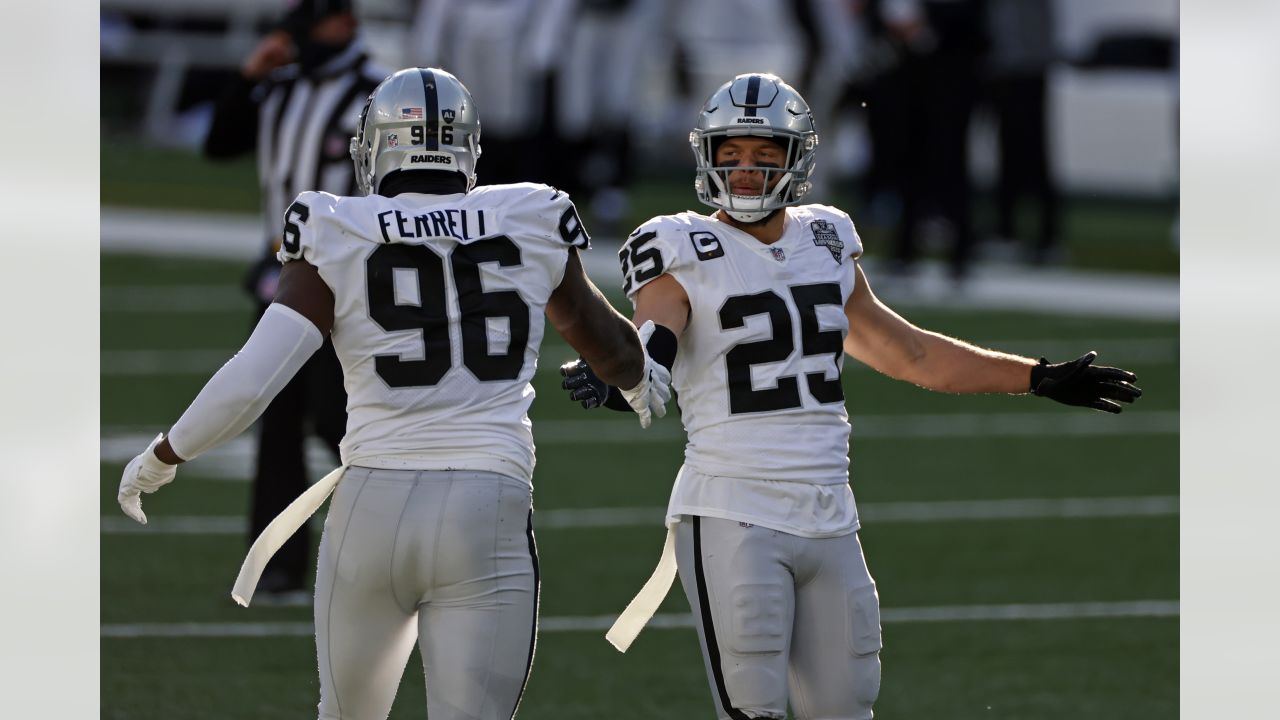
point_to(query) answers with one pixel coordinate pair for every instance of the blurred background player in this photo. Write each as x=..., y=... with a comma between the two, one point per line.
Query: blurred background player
x=429, y=539
x=506, y=49
x=295, y=102
x=923, y=103
x=1022, y=51
x=762, y=512
x=598, y=73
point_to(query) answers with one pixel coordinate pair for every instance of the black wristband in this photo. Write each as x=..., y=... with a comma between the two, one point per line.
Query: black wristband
x=662, y=346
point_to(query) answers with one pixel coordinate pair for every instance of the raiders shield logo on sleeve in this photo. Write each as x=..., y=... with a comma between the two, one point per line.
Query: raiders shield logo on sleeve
x=825, y=235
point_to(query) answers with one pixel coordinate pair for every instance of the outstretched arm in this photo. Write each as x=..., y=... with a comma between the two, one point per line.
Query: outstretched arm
x=291, y=330
x=885, y=341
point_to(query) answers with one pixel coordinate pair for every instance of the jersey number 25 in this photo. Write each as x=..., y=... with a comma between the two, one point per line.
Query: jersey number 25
x=814, y=341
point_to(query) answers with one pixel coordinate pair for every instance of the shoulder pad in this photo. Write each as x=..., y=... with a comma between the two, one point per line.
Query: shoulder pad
x=301, y=221
x=833, y=229
x=546, y=208
x=664, y=244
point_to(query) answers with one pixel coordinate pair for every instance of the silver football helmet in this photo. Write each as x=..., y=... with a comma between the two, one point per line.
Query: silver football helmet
x=761, y=105
x=416, y=119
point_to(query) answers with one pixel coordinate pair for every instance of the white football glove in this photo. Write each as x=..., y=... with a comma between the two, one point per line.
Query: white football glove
x=649, y=397
x=144, y=474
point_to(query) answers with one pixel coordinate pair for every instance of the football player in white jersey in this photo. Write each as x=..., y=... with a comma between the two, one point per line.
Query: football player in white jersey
x=755, y=307
x=433, y=291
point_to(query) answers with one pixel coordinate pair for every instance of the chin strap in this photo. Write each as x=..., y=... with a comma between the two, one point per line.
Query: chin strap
x=750, y=217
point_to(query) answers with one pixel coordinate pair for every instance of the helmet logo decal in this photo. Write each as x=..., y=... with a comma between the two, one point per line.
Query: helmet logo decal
x=825, y=235
x=392, y=140
x=448, y=115
x=429, y=158
x=751, y=121
x=411, y=113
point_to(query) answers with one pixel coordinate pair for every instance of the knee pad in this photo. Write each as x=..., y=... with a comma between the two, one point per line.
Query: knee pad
x=865, y=643
x=864, y=621
x=755, y=668
x=758, y=619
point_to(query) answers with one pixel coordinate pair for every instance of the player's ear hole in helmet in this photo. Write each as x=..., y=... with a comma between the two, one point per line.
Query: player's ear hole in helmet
x=755, y=105
x=418, y=119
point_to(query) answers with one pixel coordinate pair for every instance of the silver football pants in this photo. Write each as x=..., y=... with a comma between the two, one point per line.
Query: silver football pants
x=446, y=559
x=781, y=618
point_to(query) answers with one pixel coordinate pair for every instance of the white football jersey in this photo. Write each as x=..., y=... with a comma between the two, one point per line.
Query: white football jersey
x=438, y=317
x=758, y=366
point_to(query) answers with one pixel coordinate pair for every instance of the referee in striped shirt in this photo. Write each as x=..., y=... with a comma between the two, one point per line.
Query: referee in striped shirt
x=296, y=102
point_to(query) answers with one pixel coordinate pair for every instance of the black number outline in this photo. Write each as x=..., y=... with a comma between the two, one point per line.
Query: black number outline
x=431, y=315
x=475, y=307
x=291, y=239
x=816, y=341
x=571, y=229
x=632, y=259
x=743, y=398
x=780, y=345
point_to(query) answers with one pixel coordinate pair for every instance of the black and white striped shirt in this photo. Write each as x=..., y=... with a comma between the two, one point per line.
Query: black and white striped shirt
x=300, y=124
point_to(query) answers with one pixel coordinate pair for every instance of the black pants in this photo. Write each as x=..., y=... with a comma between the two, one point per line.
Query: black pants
x=941, y=92
x=1019, y=102
x=316, y=396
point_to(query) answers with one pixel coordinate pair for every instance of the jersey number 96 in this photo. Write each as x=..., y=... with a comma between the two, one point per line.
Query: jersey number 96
x=431, y=314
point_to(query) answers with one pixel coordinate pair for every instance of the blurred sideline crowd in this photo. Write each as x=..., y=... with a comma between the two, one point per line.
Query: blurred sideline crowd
x=591, y=95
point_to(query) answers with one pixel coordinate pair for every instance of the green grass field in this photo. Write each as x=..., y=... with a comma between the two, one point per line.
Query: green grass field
x=1096, y=667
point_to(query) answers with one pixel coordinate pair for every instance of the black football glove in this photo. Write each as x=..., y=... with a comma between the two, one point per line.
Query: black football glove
x=583, y=384
x=1080, y=382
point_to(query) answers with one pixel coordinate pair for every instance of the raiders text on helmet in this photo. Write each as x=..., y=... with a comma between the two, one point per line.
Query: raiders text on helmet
x=416, y=119
x=760, y=105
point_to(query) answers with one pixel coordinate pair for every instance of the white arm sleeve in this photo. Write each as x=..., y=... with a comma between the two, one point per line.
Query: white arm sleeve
x=238, y=393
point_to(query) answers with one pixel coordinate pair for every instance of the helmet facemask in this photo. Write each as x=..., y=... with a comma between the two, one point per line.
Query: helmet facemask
x=361, y=150
x=783, y=185
x=762, y=106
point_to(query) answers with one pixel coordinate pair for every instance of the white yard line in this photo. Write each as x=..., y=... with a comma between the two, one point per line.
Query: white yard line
x=234, y=460
x=163, y=363
x=175, y=299
x=873, y=513
x=600, y=623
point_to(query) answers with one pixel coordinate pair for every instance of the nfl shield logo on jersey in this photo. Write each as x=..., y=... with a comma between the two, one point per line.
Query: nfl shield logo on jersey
x=778, y=254
x=825, y=235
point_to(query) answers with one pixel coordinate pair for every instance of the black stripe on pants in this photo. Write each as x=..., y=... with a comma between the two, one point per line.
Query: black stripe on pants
x=533, y=637
x=708, y=626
